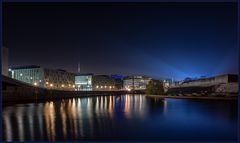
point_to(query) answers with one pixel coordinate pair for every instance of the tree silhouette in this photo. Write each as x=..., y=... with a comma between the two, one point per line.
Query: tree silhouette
x=155, y=87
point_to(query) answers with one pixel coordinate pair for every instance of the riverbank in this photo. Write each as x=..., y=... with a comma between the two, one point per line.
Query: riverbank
x=52, y=95
x=193, y=97
x=37, y=95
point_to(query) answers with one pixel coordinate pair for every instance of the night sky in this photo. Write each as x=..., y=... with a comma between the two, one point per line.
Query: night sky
x=163, y=40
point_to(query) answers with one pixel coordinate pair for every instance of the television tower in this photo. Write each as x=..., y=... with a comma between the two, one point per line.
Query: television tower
x=78, y=67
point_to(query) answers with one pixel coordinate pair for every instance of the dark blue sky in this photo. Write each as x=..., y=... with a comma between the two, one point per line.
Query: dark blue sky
x=173, y=40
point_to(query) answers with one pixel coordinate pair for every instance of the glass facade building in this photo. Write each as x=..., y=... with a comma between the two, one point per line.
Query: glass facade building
x=83, y=82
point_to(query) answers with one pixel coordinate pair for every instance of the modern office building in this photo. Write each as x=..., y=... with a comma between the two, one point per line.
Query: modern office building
x=103, y=83
x=135, y=82
x=5, y=61
x=42, y=77
x=83, y=82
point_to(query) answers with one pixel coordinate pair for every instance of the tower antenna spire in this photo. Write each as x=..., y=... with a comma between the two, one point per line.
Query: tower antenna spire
x=79, y=67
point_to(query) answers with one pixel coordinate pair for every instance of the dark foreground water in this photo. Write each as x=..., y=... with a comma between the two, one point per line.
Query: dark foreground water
x=126, y=117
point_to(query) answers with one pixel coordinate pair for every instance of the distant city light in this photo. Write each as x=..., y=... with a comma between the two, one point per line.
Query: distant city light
x=51, y=85
x=46, y=82
x=97, y=86
x=101, y=86
x=35, y=83
x=62, y=85
x=21, y=74
x=105, y=86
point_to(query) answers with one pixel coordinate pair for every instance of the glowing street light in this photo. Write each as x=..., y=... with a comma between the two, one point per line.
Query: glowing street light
x=51, y=85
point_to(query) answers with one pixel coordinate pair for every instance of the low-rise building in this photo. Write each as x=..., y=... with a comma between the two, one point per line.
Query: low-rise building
x=221, y=79
x=227, y=83
x=103, y=83
x=135, y=82
x=43, y=77
x=118, y=81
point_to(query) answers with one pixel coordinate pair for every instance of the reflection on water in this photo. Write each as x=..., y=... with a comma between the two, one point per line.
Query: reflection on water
x=126, y=117
x=49, y=113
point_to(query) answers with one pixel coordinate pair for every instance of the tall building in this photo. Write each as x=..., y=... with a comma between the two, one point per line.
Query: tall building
x=103, y=83
x=42, y=77
x=5, y=61
x=135, y=82
x=83, y=82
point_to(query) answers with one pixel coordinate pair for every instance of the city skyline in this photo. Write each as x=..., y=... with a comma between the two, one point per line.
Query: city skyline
x=162, y=41
x=120, y=71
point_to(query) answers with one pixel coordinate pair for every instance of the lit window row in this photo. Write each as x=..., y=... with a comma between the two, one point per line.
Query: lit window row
x=110, y=87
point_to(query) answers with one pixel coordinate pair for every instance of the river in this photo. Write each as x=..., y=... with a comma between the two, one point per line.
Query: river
x=124, y=117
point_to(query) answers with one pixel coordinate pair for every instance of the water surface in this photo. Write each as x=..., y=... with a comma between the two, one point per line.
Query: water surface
x=126, y=117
